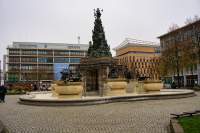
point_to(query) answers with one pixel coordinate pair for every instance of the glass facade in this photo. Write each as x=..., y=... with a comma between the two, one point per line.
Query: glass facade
x=58, y=67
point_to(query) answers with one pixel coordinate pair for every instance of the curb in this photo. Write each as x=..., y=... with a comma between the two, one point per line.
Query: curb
x=175, y=126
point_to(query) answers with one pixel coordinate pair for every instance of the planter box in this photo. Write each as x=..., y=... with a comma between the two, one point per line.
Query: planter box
x=116, y=87
x=71, y=90
x=152, y=85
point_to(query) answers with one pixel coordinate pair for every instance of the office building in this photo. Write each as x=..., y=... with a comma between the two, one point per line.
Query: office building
x=141, y=57
x=32, y=61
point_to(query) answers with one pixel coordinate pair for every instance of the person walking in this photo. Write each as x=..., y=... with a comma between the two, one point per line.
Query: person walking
x=3, y=91
x=35, y=87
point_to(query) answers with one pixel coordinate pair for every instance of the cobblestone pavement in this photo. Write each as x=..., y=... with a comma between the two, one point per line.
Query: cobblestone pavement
x=123, y=117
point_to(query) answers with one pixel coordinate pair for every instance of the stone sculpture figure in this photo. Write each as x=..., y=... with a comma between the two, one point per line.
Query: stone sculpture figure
x=113, y=73
x=68, y=75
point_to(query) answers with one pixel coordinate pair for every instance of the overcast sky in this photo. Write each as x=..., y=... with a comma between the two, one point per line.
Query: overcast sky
x=63, y=21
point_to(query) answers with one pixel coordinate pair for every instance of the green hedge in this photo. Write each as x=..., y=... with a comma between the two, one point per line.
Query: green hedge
x=16, y=92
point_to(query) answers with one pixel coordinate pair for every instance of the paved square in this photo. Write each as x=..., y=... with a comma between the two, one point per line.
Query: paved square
x=123, y=117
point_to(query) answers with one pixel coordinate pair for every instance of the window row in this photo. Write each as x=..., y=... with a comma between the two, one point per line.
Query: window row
x=28, y=59
x=132, y=59
x=29, y=52
x=46, y=52
x=61, y=53
x=14, y=52
x=14, y=59
x=44, y=60
x=13, y=67
x=77, y=53
x=179, y=37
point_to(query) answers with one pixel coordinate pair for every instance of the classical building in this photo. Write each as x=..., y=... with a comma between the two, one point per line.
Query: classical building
x=32, y=61
x=182, y=36
x=141, y=57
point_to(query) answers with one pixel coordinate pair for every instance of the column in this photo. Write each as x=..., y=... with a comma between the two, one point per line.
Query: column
x=185, y=80
x=198, y=73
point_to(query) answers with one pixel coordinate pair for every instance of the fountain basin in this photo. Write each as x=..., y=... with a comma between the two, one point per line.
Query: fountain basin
x=152, y=85
x=46, y=99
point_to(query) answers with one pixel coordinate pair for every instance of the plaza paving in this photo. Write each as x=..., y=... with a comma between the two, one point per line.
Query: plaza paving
x=124, y=117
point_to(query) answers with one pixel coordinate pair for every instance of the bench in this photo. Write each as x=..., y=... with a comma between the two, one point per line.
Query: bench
x=178, y=115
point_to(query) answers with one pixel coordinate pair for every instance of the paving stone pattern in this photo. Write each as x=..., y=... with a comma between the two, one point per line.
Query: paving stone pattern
x=124, y=117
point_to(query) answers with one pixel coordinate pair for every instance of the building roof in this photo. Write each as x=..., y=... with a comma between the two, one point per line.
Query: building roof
x=39, y=45
x=196, y=22
x=135, y=42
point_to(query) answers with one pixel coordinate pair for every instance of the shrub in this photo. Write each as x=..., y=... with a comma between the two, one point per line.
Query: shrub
x=19, y=88
x=196, y=88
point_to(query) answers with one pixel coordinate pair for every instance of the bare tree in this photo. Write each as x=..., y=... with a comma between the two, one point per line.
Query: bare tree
x=196, y=18
x=173, y=27
x=190, y=20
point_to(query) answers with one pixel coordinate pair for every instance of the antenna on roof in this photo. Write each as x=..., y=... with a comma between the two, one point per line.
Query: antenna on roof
x=78, y=39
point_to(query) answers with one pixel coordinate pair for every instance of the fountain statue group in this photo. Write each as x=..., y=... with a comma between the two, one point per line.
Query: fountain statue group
x=68, y=76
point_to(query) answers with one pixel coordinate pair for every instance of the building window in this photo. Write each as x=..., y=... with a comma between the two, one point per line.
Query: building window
x=29, y=52
x=45, y=60
x=61, y=53
x=77, y=53
x=13, y=67
x=28, y=59
x=14, y=59
x=45, y=52
x=74, y=60
x=61, y=60
x=14, y=52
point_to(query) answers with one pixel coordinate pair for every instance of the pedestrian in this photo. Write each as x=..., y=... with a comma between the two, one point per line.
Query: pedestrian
x=35, y=87
x=3, y=91
x=43, y=87
x=173, y=85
